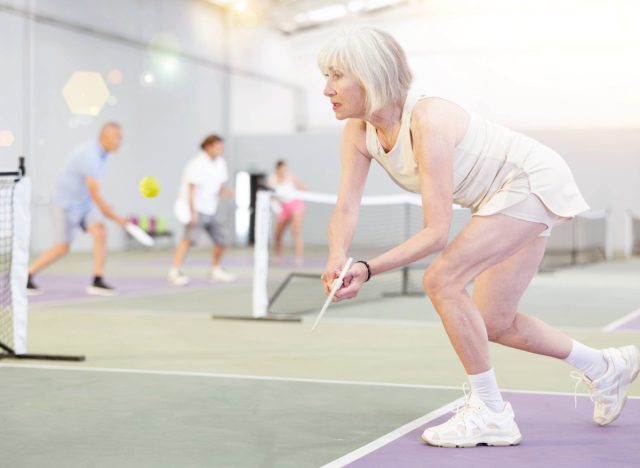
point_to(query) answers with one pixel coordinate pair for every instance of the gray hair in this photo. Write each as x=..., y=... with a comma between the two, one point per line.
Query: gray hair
x=375, y=58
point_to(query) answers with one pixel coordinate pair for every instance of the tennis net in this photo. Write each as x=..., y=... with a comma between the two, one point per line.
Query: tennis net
x=15, y=227
x=14, y=247
x=384, y=222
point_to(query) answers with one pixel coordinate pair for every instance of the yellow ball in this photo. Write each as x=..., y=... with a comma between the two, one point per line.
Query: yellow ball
x=150, y=187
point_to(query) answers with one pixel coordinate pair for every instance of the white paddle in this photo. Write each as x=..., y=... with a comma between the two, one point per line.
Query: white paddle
x=334, y=287
x=138, y=234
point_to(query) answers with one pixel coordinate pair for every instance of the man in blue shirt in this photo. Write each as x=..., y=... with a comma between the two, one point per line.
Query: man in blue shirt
x=77, y=202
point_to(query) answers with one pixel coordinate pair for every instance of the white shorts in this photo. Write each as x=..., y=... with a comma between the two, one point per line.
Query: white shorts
x=532, y=209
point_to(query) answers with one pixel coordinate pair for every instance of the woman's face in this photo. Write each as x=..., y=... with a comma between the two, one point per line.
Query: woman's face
x=346, y=94
x=281, y=170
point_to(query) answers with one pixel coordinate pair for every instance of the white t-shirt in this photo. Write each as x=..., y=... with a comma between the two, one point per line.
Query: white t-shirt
x=207, y=175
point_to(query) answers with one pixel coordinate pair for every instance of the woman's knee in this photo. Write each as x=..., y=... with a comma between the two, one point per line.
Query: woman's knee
x=437, y=283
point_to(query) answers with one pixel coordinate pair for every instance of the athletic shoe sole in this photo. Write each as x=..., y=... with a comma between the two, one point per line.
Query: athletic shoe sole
x=178, y=282
x=33, y=292
x=494, y=441
x=630, y=354
x=94, y=291
x=221, y=280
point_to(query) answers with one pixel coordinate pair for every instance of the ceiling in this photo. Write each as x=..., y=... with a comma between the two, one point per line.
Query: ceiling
x=293, y=16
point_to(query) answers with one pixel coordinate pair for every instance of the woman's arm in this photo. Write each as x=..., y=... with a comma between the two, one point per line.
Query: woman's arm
x=434, y=131
x=298, y=184
x=355, y=165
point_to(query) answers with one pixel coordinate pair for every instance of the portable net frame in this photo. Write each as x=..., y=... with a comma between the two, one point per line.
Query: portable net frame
x=15, y=194
x=632, y=224
x=383, y=223
x=587, y=238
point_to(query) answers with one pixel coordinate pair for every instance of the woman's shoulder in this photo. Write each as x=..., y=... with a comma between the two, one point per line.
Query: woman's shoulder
x=436, y=108
x=355, y=127
x=436, y=113
x=355, y=133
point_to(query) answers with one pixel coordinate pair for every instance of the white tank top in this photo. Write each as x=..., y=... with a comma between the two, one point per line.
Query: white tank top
x=285, y=190
x=493, y=167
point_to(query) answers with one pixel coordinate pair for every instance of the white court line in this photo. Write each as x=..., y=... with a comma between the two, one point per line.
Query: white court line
x=381, y=321
x=116, y=370
x=393, y=435
x=417, y=323
x=621, y=321
x=119, y=370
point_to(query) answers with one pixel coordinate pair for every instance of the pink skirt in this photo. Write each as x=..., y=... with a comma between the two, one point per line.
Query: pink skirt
x=290, y=208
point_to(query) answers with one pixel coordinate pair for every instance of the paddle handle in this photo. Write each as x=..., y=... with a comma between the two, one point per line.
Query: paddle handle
x=334, y=288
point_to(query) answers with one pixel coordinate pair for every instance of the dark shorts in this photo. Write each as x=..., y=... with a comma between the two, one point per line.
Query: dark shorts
x=211, y=225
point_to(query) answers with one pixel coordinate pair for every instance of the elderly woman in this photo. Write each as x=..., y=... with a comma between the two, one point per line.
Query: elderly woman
x=517, y=190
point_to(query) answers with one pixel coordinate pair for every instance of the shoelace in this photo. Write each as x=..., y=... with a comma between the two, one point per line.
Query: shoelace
x=460, y=413
x=594, y=392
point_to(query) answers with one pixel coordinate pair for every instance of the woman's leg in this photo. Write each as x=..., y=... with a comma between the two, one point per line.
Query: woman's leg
x=496, y=294
x=279, y=231
x=483, y=242
x=296, y=228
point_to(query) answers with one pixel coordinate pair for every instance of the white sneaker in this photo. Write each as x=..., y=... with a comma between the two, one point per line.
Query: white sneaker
x=473, y=424
x=177, y=278
x=219, y=274
x=609, y=392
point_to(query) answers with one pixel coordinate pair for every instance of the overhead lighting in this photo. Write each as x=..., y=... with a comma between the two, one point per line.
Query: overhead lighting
x=240, y=7
x=378, y=4
x=328, y=13
x=355, y=6
x=221, y=2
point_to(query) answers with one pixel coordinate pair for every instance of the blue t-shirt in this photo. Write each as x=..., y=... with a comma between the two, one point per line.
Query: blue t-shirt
x=71, y=192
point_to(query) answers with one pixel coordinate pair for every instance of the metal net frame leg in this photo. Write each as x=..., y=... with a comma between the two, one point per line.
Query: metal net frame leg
x=10, y=354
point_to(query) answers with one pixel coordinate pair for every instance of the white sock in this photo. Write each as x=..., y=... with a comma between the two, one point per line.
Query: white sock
x=485, y=387
x=588, y=360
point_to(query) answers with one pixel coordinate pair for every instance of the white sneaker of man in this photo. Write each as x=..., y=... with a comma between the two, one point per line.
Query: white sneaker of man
x=177, y=278
x=474, y=424
x=609, y=392
x=220, y=274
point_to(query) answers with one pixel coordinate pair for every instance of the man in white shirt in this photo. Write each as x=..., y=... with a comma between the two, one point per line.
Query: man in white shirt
x=201, y=187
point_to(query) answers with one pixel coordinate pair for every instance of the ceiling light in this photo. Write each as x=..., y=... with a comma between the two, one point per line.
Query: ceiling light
x=328, y=13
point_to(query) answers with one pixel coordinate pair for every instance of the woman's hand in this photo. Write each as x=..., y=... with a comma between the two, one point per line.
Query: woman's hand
x=331, y=272
x=352, y=282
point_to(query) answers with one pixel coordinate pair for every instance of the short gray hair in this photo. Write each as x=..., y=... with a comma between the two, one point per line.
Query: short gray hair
x=375, y=58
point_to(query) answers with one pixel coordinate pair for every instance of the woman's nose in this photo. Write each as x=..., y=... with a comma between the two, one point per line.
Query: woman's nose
x=328, y=91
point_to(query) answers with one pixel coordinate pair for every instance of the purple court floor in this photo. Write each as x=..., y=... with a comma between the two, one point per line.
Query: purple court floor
x=632, y=324
x=58, y=288
x=555, y=435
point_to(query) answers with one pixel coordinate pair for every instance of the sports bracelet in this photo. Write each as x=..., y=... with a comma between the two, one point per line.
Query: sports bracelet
x=368, y=269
